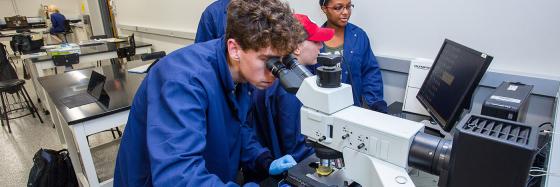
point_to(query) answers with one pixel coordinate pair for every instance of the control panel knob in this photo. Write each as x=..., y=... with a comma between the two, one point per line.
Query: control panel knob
x=362, y=145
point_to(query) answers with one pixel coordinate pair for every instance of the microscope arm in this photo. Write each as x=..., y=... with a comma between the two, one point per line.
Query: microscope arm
x=375, y=146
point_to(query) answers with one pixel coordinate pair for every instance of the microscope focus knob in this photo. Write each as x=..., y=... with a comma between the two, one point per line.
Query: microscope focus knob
x=362, y=145
x=323, y=138
x=345, y=136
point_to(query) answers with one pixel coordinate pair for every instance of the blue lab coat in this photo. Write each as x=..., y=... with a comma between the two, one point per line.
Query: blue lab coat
x=366, y=80
x=187, y=124
x=275, y=117
x=57, y=20
x=213, y=21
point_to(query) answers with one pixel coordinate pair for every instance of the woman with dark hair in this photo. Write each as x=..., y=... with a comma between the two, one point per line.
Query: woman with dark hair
x=359, y=67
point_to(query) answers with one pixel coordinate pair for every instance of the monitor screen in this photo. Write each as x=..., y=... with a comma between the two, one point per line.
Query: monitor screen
x=16, y=22
x=96, y=84
x=35, y=20
x=454, y=76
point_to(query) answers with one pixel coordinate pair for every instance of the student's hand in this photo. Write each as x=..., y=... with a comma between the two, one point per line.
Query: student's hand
x=282, y=164
x=251, y=184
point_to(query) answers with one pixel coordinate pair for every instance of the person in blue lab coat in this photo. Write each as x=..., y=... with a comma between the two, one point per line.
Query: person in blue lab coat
x=212, y=23
x=358, y=59
x=57, y=24
x=187, y=124
x=275, y=114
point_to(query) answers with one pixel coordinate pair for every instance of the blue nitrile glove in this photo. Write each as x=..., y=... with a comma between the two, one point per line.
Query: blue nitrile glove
x=251, y=184
x=282, y=164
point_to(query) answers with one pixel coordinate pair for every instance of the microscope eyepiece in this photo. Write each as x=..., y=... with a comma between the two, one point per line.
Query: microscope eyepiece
x=276, y=66
x=289, y=71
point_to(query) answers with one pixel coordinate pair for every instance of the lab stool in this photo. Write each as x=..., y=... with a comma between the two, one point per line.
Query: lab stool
x=14, y=88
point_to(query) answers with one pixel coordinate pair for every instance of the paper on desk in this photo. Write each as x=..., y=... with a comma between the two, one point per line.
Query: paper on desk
x=90, y=42
x=113, y=40
x=50, y=46
x=140, y=69
x=33, y=55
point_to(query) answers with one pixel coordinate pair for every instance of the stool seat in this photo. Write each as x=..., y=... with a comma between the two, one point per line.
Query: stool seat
x=19, y=101
x=11, y=85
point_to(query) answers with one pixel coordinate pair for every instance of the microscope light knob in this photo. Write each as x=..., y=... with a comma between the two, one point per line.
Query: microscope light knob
x=362, y=145
x=401, y=180
x=345, y=136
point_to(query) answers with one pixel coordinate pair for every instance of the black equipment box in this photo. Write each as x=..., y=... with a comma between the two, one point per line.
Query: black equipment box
x=490, y=152
x=509, y=101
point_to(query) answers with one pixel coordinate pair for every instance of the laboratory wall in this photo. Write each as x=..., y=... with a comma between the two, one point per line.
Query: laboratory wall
x=32, y=8
x=6, y=8
x=170, y=16
x=95, y=17
x=521, y=35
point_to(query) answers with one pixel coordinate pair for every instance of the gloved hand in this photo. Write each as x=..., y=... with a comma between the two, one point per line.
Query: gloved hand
x=282, y=164
x=251, y=184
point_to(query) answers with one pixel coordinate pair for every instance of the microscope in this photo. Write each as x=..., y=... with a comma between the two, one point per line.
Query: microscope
x=360, y=147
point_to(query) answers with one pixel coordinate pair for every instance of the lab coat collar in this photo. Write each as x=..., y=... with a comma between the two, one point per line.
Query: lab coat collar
x=223, y=68
x=238, y=99
x=350, y=37
x=225, y=4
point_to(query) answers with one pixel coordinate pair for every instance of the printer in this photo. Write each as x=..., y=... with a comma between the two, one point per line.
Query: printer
x=509, y=101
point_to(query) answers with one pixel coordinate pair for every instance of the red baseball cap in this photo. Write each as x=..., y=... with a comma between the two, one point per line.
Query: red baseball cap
x=314, y=32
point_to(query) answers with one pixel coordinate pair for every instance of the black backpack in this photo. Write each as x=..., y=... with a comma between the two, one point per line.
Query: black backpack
x=7, y=72
x=52, y=168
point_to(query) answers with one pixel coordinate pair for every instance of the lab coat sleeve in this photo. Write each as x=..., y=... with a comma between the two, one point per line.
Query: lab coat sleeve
x=176, y=135
x=253, y=155
x=206, y=29
x=289, y=121
x=372, y=82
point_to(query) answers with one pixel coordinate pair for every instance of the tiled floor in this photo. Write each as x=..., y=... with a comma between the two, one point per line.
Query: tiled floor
x=29, y=135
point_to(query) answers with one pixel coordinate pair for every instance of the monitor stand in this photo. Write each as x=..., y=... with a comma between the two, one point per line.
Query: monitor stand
x=434, y=129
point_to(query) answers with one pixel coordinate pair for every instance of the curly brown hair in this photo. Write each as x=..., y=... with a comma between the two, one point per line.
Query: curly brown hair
x=257, y=24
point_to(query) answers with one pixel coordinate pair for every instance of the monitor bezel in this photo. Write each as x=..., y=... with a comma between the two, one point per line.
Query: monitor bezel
x=9, y=22
x=447, y=125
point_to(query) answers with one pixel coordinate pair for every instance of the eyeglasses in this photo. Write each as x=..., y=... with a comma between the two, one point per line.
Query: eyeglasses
x=339, y=8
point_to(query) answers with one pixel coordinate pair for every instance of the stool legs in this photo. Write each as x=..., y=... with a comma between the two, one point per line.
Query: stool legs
x=34, y=109
x=119, y=131
x=5, y=112
x=18, y=105
x=2, y=109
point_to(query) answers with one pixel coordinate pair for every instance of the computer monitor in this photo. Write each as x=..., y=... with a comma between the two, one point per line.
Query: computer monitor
x=129, y=51
x=449, y=86
x=132, y=43
x=66, y=60
x=96, y=84
x=16, y=22
x=35, y=20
